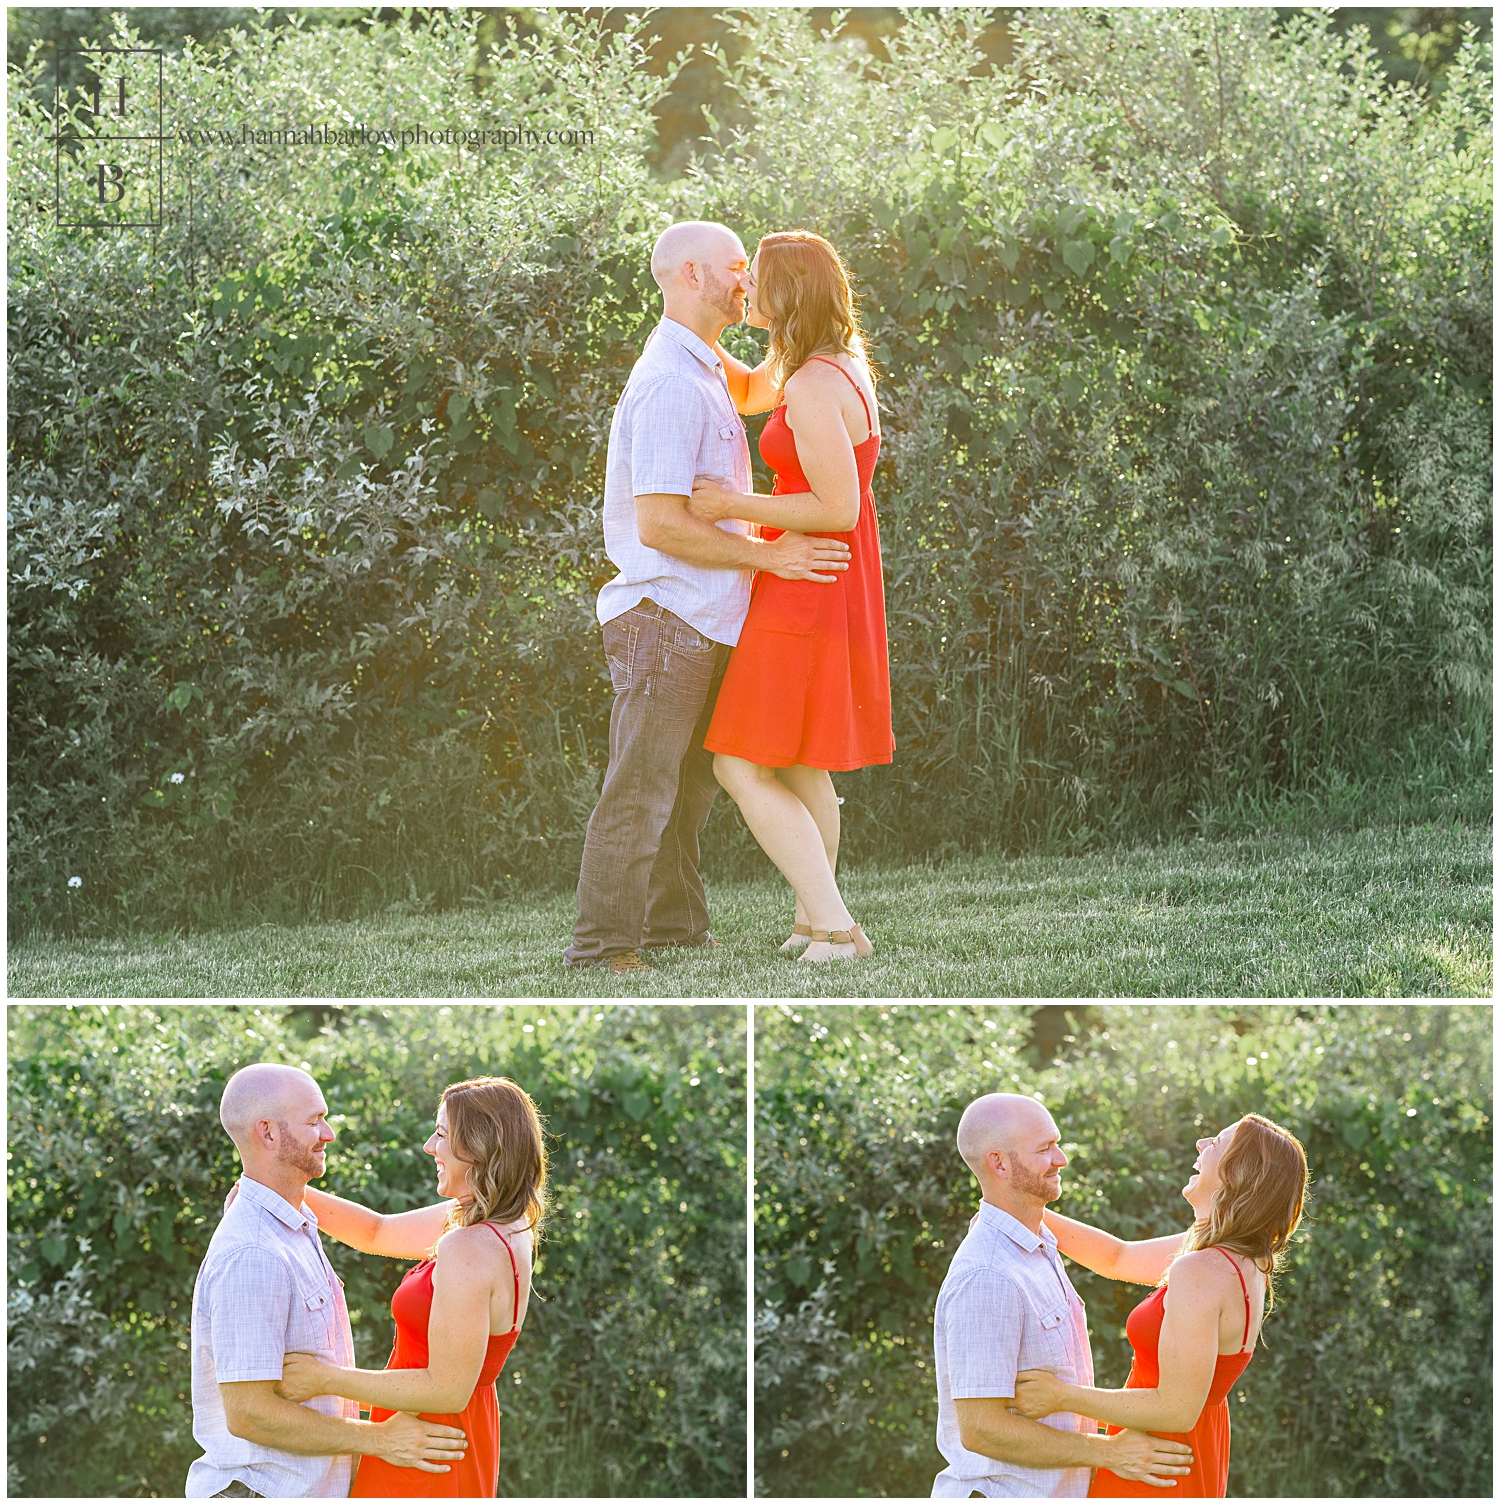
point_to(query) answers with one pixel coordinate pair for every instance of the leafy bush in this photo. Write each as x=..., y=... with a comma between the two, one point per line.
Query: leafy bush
x=1184, y=496
x=1374, y=1373
x=629, y=1376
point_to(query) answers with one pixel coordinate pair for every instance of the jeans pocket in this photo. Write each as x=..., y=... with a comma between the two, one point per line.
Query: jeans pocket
x=687, y=639
x=621, y=638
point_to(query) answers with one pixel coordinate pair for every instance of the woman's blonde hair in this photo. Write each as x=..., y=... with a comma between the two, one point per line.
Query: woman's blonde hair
x=494, y=1125
x=803, y=289
x=1258, y=1204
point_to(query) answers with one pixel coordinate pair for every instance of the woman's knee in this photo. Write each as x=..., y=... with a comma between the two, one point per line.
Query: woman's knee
x=729, y=771
x=737, y=776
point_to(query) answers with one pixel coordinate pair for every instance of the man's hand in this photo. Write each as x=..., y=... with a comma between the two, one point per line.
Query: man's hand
x=1140, y=1456
x=406, y=1441
x=800, y=556
x=1039, y=1393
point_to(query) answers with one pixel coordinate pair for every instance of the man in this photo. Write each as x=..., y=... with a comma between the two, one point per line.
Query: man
x=267, y=1289
x=1007, y=1304
x=675, y=609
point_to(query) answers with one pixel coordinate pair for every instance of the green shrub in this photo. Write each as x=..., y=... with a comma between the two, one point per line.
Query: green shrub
x=629, y=1378
x=1374, y=1373
x=1184, y=495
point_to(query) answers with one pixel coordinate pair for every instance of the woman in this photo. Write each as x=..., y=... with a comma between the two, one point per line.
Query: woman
x=1195, y=1334
x=808, y=685
x=459, y=1311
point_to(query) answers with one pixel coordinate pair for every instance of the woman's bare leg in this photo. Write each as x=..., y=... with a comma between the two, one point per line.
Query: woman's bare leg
x=793, y=840
x=815, y=789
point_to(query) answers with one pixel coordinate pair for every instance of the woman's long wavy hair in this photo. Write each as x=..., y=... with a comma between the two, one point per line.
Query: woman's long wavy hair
x=494, y=1125
x=802, y=287
x=1258, y=1205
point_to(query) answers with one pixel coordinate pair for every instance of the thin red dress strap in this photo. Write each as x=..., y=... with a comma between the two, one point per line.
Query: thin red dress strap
x=869, y=422
x=1245, y=1337
x=515, y=1275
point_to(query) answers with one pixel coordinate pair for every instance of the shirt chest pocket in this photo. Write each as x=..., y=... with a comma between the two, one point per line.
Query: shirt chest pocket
x=313, y=1309
x=1052, y=1330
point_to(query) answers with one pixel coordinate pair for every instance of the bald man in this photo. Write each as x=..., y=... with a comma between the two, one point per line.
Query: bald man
x=266, y=1289
x=1007, y=1304
x=674, y=610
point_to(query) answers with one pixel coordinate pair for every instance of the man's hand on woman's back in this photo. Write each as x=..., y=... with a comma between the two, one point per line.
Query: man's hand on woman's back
x=1147, y=1459
x=406, y=1441
x=804, y=556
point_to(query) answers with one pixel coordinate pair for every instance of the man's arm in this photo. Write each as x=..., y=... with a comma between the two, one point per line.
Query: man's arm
x=986, y=1426
x=397, y=1235
x=254, y=1412
x=663, y=522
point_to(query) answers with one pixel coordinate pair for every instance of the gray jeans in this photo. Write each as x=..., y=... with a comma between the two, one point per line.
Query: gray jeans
x=639, y=882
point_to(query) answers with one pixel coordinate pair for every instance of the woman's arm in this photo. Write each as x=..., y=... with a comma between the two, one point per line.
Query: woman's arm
x=1140, y=1261
x=750, y=390
x=826, y=455
x=1187, y=1353
x=801, y=512
x=458, y=1331
x=397, y=1235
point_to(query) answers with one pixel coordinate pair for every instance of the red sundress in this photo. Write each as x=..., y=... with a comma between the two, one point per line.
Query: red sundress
x=1209, y=1439
x=479, y=1474
x=809, y=681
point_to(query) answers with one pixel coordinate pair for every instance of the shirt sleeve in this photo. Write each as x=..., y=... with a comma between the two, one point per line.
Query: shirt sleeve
x=249, y=1307
x=666, y=435
x=983, y=1334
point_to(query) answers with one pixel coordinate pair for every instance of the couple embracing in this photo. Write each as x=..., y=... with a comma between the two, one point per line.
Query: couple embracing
x=276, y=1394
x=745, y=633
x=1018, y=1411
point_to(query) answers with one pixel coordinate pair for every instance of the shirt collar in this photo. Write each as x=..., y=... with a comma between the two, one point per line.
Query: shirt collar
x=1001, y=1221
x=680, y=334
x=276, y=1205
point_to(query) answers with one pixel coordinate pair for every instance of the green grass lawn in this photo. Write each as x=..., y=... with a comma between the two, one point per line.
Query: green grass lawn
x=1378, y=912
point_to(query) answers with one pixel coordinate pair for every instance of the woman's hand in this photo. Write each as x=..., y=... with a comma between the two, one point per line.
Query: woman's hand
x=711, y=500
x=1039, y=1393
x=303, y=1377
x=234, y=1191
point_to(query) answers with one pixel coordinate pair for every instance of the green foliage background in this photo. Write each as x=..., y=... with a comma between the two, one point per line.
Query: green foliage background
x=1185, y=322
x=629, y=1377
x=1374, y=1374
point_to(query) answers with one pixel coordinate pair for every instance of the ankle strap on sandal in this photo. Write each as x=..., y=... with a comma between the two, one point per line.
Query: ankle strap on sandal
x=837, y=937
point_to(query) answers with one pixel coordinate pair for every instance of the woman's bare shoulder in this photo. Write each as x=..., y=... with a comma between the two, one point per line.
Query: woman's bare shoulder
x=1203, y=1270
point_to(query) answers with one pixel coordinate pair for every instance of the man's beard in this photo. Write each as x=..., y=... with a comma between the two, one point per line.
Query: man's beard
x=722, y=297
x=304, y=1161
x=1033, y=1186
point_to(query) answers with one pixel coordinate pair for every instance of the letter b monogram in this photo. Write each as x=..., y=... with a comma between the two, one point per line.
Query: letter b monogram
x=111, y=176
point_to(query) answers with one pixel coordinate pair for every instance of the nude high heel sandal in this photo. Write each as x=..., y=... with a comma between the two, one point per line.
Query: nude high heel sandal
x=800, y=936
x=853, y=936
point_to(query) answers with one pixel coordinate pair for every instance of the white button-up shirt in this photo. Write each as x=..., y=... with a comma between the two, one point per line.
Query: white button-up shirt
x=265, y=1288
x=1006, y=1304
x=674, y=422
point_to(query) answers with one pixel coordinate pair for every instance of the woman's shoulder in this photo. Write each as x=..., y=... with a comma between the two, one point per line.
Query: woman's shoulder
x=827, y=366
x=478, y=1241
x=1208, y=1269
